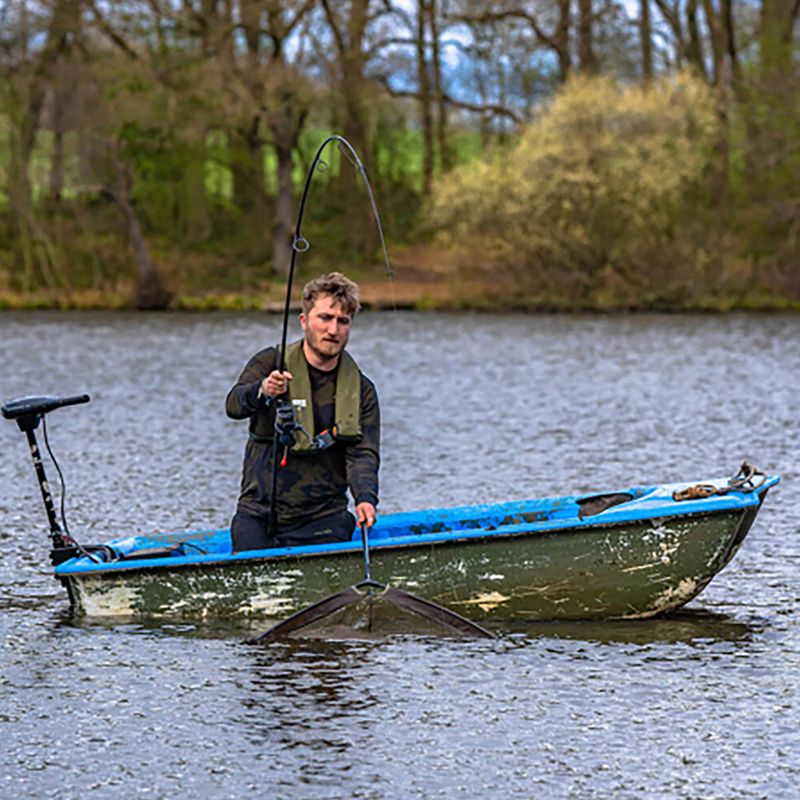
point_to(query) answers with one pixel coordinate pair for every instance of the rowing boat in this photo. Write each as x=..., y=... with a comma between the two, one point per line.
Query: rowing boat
x=632, y=553
x=628, y=554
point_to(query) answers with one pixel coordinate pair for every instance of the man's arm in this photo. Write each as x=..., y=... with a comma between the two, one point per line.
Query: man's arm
x=363, y=457
x=243, y=399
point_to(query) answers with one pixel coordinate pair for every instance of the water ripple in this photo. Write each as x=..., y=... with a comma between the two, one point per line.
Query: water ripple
x=701, y=704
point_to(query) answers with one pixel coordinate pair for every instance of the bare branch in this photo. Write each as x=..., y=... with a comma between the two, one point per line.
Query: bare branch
x=337, y=34
x=106, y=28
x=500, y=16
x=480, y=108
x=301, y=12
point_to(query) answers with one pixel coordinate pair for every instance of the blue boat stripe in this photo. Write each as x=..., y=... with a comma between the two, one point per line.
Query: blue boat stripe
x=652, y=503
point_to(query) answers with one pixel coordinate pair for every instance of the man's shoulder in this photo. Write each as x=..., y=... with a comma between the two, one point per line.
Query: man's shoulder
x=366, y=383
x=367, y=386
x=267, y=354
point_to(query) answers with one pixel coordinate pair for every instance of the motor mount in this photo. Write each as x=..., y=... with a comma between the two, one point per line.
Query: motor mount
x=28, y=412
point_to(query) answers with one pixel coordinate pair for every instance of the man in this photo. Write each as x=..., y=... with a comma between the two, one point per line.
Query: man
x=337, y=445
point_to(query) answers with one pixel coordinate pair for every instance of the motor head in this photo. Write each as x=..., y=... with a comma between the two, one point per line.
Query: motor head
x=27, y=411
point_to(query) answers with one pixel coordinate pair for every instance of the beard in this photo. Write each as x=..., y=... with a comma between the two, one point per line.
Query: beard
x=324, y=348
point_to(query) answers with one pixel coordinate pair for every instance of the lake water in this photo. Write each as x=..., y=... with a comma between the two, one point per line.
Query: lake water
x=703, y=704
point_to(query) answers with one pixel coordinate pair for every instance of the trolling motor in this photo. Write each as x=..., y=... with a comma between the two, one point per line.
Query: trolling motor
x=28, y=412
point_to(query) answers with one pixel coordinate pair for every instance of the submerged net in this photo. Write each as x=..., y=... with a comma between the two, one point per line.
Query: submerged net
x=371, y=617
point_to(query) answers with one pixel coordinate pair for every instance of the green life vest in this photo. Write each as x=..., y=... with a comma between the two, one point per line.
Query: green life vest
x=348, y=399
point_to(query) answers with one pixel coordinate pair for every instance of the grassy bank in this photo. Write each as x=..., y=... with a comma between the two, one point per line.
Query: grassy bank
x=425, y=279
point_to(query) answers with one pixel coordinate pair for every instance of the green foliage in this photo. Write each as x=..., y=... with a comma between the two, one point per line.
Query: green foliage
x=765, y=180
x=594, y=193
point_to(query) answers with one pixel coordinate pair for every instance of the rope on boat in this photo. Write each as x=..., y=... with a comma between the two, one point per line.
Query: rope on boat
x=747, y=479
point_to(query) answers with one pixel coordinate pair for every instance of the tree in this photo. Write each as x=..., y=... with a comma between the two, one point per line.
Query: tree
x=646, y=40
x=558, y=15
x=778, y=18
x=348, y=23
x=286, y=109
x=33, y=44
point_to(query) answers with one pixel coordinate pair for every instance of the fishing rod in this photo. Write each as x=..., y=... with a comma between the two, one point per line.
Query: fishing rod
x=285, y=425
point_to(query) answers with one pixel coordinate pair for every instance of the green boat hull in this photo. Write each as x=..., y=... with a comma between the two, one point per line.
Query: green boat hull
x=628, y=569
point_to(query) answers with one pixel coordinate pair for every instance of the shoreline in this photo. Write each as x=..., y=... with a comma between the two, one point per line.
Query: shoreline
x=473, y=296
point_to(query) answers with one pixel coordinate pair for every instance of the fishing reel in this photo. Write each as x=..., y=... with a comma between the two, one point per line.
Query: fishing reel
x=286, y=425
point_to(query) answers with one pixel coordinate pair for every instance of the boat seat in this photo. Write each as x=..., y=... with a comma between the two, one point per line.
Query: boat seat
x=596, y=504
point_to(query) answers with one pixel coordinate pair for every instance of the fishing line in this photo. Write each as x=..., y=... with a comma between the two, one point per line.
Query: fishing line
x=300, y=245
x=359, y=166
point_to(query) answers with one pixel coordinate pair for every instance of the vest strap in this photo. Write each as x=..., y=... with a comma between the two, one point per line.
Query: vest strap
x=348, y=399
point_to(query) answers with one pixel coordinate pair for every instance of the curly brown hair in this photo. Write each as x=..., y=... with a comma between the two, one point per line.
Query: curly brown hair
x=342, y=289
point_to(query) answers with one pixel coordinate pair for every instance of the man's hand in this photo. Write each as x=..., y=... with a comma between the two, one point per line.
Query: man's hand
x=366, y=514
x=275, y=384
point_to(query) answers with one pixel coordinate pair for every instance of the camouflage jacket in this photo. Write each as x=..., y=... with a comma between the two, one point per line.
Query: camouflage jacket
x=310, y=485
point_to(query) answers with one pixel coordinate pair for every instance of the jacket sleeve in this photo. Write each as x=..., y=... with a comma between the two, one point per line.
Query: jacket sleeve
x=363, y=457
x=243, y=400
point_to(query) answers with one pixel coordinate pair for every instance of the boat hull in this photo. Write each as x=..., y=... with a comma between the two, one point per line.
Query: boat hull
x=619, y=569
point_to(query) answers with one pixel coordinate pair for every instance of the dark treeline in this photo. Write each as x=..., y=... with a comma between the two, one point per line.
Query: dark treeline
x=154, y=149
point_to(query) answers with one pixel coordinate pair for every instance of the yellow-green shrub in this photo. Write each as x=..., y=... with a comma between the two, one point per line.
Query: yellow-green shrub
x=595, y=187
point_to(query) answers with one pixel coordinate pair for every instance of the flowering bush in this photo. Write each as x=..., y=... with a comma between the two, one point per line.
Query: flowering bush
x=595, y=192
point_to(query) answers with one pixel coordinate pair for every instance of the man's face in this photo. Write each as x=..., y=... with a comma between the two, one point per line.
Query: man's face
x=326, y=327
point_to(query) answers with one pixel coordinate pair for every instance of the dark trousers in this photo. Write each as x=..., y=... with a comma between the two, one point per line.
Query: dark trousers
x=251, y=533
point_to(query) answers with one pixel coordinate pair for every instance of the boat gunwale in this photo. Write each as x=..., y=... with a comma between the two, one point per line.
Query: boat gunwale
x=720, y=504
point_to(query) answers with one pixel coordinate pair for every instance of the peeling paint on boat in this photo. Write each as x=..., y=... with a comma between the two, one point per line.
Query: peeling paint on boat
x=106, y=600
x=645, y=566
x=486, y=602
x=672, y=598
x=268, y=605
x=626, y=562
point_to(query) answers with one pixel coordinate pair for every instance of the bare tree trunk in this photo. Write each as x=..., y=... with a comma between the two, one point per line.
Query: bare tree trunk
x=246, y=143
x=694, y=47
x=197, y=221
x=350, y=48
x=284, y=209
x=775, y=35
x=729, y=37
x=646, y=40
x=720, y=166
x=150, y=293
x=586, y=54
x=717, y=43
x=562, y=43
x=672, y=16
x=285, y=117
x=27, y=95
x=57, y=153
x=445, y=156
x=426, y=110
x=249, y=187
x=19, y=191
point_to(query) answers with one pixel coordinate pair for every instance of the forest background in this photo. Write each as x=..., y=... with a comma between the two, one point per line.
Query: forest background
x=532, y=154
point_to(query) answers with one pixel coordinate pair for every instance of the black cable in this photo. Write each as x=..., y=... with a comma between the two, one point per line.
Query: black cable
x=80, y=547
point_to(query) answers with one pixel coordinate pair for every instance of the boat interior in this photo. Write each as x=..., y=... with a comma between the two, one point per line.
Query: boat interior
x=523, y=517
x=493, y=517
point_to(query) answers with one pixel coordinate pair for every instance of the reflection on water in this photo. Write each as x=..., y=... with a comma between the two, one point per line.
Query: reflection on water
x=687, y=626
x=700, y=704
